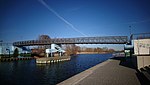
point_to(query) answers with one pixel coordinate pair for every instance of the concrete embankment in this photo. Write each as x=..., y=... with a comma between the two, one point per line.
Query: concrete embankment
x=110, y=72
x=15, y=59
x=52, y=59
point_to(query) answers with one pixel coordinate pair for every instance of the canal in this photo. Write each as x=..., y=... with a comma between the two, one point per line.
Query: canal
x=27, y=72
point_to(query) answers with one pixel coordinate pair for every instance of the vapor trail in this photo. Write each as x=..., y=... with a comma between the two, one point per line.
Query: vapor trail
x=60, y=17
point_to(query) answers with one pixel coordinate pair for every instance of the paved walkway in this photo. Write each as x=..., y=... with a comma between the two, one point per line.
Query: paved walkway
x=111, y=72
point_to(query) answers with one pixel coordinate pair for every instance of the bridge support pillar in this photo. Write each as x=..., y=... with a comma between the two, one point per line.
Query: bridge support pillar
x=51, y=54
x=60, y=54
x=47, y=54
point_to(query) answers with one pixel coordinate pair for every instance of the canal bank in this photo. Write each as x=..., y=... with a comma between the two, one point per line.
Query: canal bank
x=15, y=59
x=114, y=71
x=46, y=60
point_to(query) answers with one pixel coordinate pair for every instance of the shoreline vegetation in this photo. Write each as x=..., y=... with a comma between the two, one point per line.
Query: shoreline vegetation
x=70, y=49
x=74, y=49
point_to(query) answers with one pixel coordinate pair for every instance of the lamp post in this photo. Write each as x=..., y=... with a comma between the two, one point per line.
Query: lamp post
x=1, y=48
x=1, y=43
x=149, y=50
x=8, y=51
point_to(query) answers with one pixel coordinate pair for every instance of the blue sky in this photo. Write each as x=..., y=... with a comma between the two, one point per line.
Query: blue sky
x=27, y=19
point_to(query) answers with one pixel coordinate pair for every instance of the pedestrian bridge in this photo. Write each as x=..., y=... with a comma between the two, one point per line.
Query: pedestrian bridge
x=78, y=40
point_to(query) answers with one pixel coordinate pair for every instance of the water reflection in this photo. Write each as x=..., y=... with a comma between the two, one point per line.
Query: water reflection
x=28, y=72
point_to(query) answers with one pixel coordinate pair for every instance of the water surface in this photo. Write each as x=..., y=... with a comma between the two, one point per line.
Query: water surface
x=27, y=72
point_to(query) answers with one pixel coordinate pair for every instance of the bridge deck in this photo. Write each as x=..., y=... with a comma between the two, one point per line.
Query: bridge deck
x=80, y=40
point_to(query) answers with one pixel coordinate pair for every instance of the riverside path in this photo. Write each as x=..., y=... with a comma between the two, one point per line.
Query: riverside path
x=110, y=72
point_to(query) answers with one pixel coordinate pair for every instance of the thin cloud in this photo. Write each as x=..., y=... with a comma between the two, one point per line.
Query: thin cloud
x=61, y=18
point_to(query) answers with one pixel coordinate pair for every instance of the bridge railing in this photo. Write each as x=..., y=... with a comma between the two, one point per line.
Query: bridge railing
x=32, y=42
x=140, y=36
x=80, y=40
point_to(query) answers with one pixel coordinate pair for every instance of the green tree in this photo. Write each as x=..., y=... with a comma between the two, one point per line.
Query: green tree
x=16, y=53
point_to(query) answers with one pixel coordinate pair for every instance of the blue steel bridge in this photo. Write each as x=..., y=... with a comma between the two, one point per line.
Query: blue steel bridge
x=78, y=40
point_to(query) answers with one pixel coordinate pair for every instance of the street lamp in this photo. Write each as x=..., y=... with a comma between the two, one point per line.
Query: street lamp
x=1, y=48
x=130, y=29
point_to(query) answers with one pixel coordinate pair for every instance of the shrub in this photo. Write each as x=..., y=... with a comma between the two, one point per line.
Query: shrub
x=16, y=53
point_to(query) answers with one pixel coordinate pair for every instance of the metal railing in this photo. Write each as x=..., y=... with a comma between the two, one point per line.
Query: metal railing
x=79, y=40
x=140, y=36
